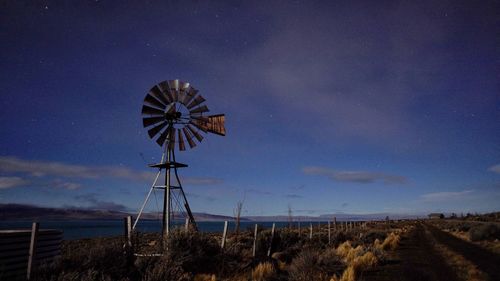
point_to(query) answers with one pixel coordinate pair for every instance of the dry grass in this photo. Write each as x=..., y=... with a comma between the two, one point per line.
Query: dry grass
x=263, y=271
x=205, y=277
x=348, y=253
x=358, y=264
x=391, y=242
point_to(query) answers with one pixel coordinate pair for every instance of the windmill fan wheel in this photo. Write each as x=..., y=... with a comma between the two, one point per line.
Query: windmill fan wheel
x=174, y=113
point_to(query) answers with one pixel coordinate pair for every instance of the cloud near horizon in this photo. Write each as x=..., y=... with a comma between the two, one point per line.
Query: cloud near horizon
x=10, y=182
x=445, y=196
x=495, y=168
x=37, y=168
x=355, y=176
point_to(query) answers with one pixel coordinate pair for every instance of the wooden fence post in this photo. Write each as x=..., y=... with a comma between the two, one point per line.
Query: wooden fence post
x=254, y=249
x=335, y=223
x=186, y=225
x=32, y=252
x=310, y=231
x=329, y=234
x=128, y=230
x=272, y=240
x=223, y=243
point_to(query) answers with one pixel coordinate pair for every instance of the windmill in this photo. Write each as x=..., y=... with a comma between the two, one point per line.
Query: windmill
x=174, y=113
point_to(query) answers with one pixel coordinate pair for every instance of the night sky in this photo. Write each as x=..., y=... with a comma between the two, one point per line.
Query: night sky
x=334, y=106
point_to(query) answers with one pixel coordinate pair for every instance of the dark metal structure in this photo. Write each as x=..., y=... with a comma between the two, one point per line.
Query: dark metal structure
x=174, y=114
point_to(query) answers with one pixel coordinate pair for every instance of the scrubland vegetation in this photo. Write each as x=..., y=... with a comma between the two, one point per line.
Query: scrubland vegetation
x=198, y=256
x=377, y=251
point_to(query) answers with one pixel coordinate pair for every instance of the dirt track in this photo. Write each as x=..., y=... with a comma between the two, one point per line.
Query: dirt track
x=485, y=260
x=417, y=259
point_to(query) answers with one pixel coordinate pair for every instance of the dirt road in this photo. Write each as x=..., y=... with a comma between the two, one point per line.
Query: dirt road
x=417, y=259
x=486, y=261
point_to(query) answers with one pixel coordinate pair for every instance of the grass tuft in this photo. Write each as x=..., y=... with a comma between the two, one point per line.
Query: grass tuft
x=263, y=271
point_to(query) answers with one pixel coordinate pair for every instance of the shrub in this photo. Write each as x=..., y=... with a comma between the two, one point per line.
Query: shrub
x=373, y=235
x=194, y=251
x=304, y=266
x=484, y=232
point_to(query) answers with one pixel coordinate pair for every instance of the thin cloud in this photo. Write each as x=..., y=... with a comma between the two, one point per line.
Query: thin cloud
x=201, y=181
x=11, y=182
x=38, y=168
x=294, y=196
x=495, y=169
x=445, y=196
x=355, y=176
x=58, y=183
x=256, y=191
x=204, y=197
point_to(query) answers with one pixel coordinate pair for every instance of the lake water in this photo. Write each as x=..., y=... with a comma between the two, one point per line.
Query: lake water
x=78, y=229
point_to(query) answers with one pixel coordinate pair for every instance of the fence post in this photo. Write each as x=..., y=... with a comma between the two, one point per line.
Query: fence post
x=186, y=225
x=223, y=243
x=329, y=233
x=254, y=249
x=32, y=252
x=272, y=240
x=310, y=231
x=128, y=230
x=335, y=223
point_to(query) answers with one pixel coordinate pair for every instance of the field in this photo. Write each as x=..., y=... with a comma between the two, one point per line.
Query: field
x=404, y=250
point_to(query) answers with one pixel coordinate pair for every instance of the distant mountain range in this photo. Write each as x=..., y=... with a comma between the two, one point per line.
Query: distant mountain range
x=29, y=212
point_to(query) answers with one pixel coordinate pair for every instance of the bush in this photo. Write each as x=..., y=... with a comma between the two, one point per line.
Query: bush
x=194, y=251
x=372, y=235
x=484, y=232
x=314, y=264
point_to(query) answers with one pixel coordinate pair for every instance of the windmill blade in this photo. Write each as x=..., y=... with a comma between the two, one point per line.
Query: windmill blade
x=157, y=93
x=216, y=124
x=189, y=138
x=182, y=147
x=200, y=109
x=174, y=89
x=199, y=125
x=189, y=96
x=148, y=121
x=163, y=137
x=195, y=133
x=171, y=138
x=165, y=89
x=171, y=109
x=156, y=129
x=183, y=88
x=199, y=99
x=148, y=110
x=154, y=102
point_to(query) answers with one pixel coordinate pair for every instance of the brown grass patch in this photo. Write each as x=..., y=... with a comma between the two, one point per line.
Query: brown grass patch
x=263, y=271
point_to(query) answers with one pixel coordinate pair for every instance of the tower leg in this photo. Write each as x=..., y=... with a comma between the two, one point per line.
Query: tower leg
x=166, y=200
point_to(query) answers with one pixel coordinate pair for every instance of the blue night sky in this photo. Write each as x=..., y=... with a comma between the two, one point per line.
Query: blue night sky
x=334, y=106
